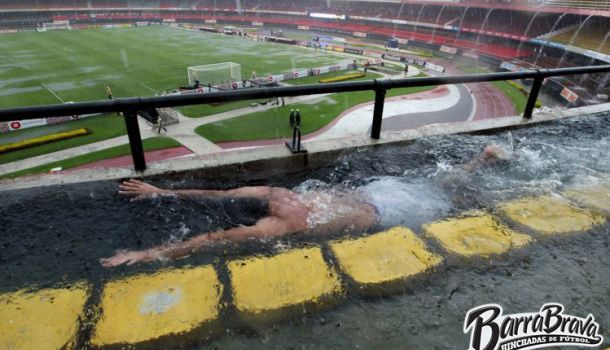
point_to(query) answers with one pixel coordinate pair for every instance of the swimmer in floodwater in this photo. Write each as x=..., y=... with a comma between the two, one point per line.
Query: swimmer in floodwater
x=383, y=202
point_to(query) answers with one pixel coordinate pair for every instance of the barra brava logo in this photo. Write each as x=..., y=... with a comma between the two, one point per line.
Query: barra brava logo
x=492, y=330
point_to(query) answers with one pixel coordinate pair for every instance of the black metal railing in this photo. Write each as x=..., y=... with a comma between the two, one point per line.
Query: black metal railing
x=129, y=107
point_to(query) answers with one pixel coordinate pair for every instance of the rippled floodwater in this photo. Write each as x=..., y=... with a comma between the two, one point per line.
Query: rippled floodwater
x=55, y=236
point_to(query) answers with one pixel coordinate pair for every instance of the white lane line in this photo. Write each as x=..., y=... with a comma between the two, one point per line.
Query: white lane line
x=149, y=88
x=474, y=104
x=51, y=91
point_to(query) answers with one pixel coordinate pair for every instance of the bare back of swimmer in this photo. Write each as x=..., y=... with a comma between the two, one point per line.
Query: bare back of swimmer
x=289, y=212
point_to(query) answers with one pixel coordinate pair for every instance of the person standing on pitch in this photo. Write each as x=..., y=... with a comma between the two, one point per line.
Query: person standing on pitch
x=109, y=93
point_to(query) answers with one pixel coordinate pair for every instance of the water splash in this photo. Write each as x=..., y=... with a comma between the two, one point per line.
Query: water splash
x=398, y=17
x=403, y=202
x=591, y=60
x=525, y=32
x=457, y=35
x=438, y=16
x=417, y=21
x=483, y=25
x=548, y=40
x=582, y=24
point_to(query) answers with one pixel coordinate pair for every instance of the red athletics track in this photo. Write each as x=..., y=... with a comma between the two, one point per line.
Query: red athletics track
x=490, y=101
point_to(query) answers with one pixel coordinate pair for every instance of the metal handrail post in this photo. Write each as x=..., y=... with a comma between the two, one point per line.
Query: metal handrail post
x=135, y=140
x=378, y=113
x=298, y=146
x=533, y=97
x=294, y=137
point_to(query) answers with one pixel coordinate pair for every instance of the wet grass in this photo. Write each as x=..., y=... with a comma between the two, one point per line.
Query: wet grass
x=151, y=144
x=205, y=110
x=78, y=65
x=101, y=127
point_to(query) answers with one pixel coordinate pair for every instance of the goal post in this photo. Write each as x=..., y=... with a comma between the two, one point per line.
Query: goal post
x=57, y=25
x=214, y=74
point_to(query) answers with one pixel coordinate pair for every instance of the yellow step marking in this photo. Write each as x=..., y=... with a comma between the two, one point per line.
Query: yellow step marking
x=550, y=214
x=478, y=234
x=388, y=256
x=262, y=284
x=597, y=198
x=147, y=307
x=45, y=319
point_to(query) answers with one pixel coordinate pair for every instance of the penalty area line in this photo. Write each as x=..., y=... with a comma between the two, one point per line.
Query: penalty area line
x=52, y=92
x=149, y=88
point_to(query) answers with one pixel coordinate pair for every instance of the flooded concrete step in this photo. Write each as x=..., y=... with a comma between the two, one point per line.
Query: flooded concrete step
x=384, y=259
x=550, y=215
x=45, y=319
x=476, y=233
x=264, y=287
x=596, y=198
x=177, y=304
x=146, y=308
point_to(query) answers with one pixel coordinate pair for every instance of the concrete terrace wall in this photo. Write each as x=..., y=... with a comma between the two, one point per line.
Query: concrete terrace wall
x=259, y=163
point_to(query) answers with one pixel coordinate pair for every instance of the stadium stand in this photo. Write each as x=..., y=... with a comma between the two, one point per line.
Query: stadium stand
x=500, y=29
x=592, y=36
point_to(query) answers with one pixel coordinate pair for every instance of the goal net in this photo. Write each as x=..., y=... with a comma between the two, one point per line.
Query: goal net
x=214, y=74
x=56, y=25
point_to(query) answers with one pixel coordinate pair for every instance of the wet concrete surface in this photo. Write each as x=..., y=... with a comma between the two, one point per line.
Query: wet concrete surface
x=54, y=236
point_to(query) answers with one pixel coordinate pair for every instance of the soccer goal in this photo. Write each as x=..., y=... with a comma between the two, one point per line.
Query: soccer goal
x=214, y=74
x=57, y=25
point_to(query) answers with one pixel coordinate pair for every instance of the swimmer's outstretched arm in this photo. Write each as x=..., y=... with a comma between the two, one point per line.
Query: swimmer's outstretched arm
x=139, y=190
x=267, y=227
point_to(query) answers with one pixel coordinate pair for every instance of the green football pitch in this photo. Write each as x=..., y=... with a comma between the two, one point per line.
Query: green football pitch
x=62, y=66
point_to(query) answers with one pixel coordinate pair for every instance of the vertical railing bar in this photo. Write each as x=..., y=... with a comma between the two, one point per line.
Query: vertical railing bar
x=533, y=97
x=378, y=112
x=135, y=140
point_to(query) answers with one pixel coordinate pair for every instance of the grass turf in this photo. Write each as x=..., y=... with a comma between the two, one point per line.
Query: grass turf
x=150, y=144
x=205, y=110
x=514, y=95
x=102, y=128
x=273, y=124
x=77, y=65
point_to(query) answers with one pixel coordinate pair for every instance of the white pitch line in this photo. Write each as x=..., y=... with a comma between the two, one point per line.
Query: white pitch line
x=51, y=91
x=149, y=88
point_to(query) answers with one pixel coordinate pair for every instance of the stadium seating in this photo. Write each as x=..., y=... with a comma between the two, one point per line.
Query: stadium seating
x=592, y=36
x=484, y=26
